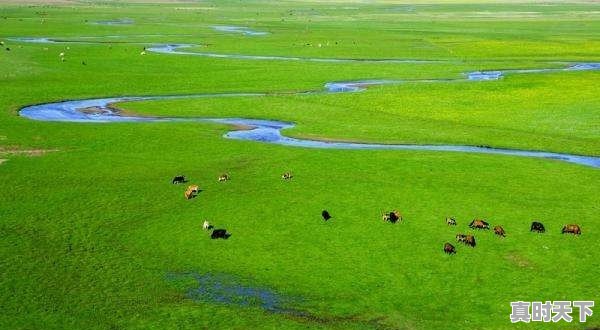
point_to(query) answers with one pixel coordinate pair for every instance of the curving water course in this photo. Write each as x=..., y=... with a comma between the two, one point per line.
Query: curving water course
x=269, y=131
x=180, y=49
x=238, y=29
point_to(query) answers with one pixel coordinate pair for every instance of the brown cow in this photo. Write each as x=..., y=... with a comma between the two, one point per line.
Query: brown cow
x=449, y=248
x=498, y=230
x=571, y=229
x=191, y=192
x=479, y=224
x=466, y=239
x=189, y=195
x=470, y=240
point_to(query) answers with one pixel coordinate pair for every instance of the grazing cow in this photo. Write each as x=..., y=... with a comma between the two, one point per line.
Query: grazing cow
x=287, y=175
x=451, y=221
x=206, y=225
x=178, y=179
x=392, y=216
x=385, y=216
x=189, y=195
x=537, y=226
x=449, y=248
x=326, y=216
x=219, y=233
x=479, y=224
x=7, y=49
x=224, y=177
x=466, y=239
x=498, y=230
x=191, y=192
x=571, y=229
x=395, y=216
x=470, y=240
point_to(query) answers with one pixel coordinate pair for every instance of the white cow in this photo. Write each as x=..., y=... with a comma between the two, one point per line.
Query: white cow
x=206, y=225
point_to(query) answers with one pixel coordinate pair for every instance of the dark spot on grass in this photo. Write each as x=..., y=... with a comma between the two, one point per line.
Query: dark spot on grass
x=225, y=289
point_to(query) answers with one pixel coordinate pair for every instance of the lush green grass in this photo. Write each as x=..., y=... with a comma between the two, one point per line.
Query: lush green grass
x=518, y=112
x=91, y=231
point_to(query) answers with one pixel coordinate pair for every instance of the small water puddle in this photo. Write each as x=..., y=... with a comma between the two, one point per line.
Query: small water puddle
x=224, y=289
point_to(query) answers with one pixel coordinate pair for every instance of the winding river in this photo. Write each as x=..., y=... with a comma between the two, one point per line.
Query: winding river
x=269, y=131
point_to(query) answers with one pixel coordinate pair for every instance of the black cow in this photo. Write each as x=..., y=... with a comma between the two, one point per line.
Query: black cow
x=178, y=179
x=219, y=233
x=394, y=216
x=537, y=226
x=326, y=216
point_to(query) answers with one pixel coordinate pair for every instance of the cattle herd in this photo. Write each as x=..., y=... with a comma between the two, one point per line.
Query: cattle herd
x=499, y=231
x=193, y=190
x=390, y=216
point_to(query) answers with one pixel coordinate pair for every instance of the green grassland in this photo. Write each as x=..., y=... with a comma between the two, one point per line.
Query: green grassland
x=91, y=230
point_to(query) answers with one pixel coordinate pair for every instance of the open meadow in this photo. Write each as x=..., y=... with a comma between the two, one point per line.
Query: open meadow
x=94, y=235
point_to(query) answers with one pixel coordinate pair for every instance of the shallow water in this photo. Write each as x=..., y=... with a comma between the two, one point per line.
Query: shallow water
x=239, y=29
x=226, y=290
x=178, y=49
x=117, y=21
x=269, y=131
x=266, y=131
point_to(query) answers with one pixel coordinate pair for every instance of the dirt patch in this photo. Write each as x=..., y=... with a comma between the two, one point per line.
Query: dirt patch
x=39, y=2
x=92, y=110
x=114, y=108
x=72, y=2
x=237, y=127
x=6, y=151
x=518, y=260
